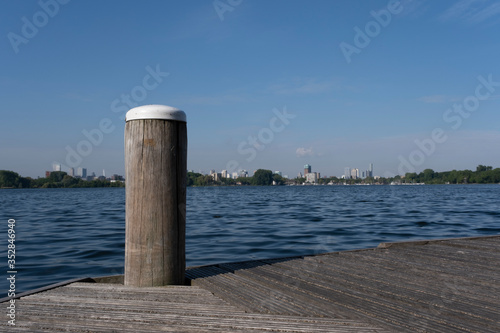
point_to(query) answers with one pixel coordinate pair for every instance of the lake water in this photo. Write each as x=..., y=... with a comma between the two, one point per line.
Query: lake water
x=69, y=233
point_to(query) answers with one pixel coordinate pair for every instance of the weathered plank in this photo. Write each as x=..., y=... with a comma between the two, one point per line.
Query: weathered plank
x=432, y=286
x=98, y=307
x=437, y=286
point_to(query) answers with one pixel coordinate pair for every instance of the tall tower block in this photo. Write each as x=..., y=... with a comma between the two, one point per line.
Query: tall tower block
x=307, y=169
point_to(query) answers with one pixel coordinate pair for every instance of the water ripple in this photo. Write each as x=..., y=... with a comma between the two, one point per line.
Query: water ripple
x=69, y=233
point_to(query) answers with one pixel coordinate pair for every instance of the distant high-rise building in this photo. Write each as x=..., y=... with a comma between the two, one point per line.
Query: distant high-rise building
x=307, y=169
x=312, y=177
x=116, y=177
x=71, y=172
x=300, y=175
x=47, y=174
x=104, y=173
x=82, y=172
x=370, y=170
x=355, y=173
x=347, y=173
x=56, y=167
x=224, y=174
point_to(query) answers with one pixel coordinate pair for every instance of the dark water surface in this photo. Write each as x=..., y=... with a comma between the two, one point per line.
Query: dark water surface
x=68, y=233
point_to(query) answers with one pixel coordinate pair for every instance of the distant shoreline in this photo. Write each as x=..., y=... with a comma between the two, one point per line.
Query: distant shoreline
x=59, y=179
x=310, y=185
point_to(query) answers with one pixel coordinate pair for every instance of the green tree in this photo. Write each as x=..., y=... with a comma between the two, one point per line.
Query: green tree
x=204, y=180
x=467, y=176
x=69, y=181
x=451, y=177
x=262, y=177
x=411, y=177
x=227, y=181
x=192, y=177
x=26, y=182
x=245, y=180
x=49, y=185
x=299, y=180
x=57, y=176
x=9, y=178
x=481, y=168
x=278, y=179
x=368, y=180
x=427, y=175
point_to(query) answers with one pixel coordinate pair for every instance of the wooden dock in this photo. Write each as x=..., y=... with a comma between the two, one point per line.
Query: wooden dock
x=450, y=285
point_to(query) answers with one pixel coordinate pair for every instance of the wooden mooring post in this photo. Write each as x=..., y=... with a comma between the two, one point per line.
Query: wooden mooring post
x=155, y=169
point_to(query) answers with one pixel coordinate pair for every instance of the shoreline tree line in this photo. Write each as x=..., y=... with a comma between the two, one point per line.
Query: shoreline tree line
x=57, y=179
x=60, y=179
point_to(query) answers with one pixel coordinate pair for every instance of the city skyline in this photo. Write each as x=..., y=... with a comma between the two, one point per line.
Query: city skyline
x=483, y=172
x=406, y=85
x=82, y=172
x=352, y=172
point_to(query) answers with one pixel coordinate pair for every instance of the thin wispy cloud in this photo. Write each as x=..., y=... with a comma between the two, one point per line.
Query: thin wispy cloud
x=472, y=11
x=413, y=8
x=458, y=10
x=486, y=13
x=303, y=152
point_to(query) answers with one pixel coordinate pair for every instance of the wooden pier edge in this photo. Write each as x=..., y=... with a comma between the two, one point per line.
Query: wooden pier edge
x=386, y=245
x=46, y=288
x=440, y=285
x=119, y=278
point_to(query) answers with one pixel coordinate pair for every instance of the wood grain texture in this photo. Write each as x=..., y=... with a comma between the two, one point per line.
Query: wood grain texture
x=447, y=285
x=95, y=307
x=155, y=167
x=432, y=286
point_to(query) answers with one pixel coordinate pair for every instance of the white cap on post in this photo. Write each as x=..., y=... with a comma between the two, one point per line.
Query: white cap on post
x=155, y=111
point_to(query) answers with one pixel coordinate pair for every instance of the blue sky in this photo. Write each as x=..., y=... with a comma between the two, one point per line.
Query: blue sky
x=264, y=84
